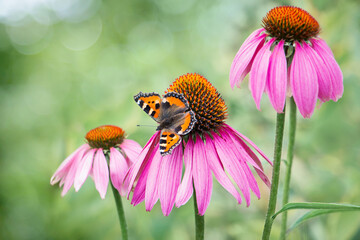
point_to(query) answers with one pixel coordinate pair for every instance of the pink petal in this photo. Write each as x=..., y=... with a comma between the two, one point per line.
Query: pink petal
x=139, y=165
x=152, y=182
x=277, y=77
x=227, y=155
x=249, y=39
x=322, y=44
x=259, y=71
x=303, y=81
x=243, y=137
x=101, y=173
x=139, y=189
x=169, y=179
x=248, y=155
x=250, y=177
x=323, y=74
x=218, y=170
x=131, y=144
x=131, y=148
x=242, y=157
x=325, y=53
x=64, y=167
x=186, y=187
x=83, y=169
x=202, y=176
x=118, y=169
x=242, y=62
x=69, y=179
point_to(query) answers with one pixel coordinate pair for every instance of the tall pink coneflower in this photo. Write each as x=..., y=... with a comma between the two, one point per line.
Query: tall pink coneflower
x=89, y=159
x=287, y=57
x=211, y=147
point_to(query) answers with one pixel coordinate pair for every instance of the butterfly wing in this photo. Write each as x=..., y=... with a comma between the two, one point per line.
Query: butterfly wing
x=174, y=100
x=150, y=103
x=174, y=106
x=168, y=141
x=185, y=124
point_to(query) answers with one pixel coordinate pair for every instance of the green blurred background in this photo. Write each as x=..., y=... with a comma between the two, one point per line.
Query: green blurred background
x=67, y=66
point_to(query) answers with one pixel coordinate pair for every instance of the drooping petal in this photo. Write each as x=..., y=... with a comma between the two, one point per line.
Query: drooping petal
x=84, y=169
x=64, y=167
x=228, y=158
x=186, y=187
x=140, y=185
x=202, y=176
x=242, y=158
x=101, y=173
x=249, y=39
x=169, y=179
x=323, y=74
x=69, y=179
x=321, y=43
x=259, y=72
x=277, y=78
x=242, y=62
x=243, y=137
x=303, y=82
x=246, y=153
x=118, y=169
x=218, y=170
x=131, y=148
x=152, y=182
x=139, y=165
x=327, y=56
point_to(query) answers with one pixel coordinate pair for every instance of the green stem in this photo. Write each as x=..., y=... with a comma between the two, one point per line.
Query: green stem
x=120, y=211
x=290, y=155
x=119, y=207
x=280, y=121
x=199, y=222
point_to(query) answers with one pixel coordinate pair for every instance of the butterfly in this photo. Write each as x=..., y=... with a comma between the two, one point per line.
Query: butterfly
x=173, y=114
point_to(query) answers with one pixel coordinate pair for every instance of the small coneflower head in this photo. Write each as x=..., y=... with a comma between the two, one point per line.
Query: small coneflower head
x=204, y=100
x=105, y=136
x=213, y=148
x=277, y=55
x=106, y=154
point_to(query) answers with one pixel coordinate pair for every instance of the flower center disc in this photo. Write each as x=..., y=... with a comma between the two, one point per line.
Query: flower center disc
x=105, y=136
x=204, y=100
x=290, y=23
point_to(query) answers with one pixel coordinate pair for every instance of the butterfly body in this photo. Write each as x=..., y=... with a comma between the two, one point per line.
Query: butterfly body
x=173, y=114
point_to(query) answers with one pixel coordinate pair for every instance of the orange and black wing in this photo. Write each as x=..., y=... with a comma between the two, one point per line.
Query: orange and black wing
x=168, y=141
x=150, y=103
x=174, y=100
x=186, y=124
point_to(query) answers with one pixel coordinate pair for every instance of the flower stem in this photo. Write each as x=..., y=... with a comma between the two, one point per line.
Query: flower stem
x=280, y=121
x=119, y=207
x=121, y=214
x=199, y=222
x=290, y=155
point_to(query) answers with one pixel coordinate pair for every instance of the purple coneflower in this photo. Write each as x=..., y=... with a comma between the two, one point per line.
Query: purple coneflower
x=89, y=159
x=286, y=57
x=212, y=147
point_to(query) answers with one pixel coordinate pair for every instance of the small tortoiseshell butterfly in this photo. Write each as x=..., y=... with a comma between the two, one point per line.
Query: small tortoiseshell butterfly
x=173, y=114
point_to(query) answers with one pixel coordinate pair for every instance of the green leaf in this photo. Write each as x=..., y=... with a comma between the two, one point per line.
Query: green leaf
x=325, y=206
x=320, y=209
x=310, y=215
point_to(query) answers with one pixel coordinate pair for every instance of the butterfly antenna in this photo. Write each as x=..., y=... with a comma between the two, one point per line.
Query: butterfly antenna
x=145, y=125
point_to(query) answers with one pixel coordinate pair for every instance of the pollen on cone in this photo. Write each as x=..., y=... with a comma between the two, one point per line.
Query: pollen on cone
x=204, y=100
x=290, y=23
x=105, y=136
